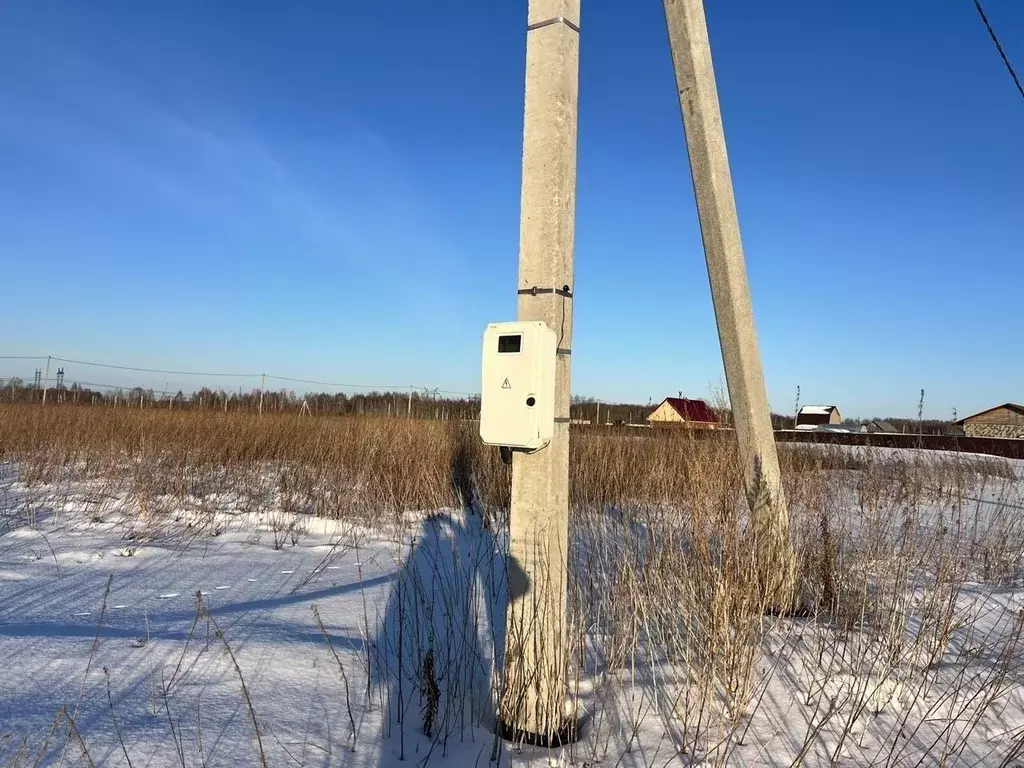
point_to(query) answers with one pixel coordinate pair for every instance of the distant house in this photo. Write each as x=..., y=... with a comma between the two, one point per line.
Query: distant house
x=1006, y=420
x=684, y=412
x=813, y=416
x=884, y=427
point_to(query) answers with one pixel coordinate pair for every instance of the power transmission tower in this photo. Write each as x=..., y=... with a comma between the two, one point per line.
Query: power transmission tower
x=533, y=699
x=734, y=313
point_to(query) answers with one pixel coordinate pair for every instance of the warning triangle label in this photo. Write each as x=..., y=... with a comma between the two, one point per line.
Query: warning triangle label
x=506, y=385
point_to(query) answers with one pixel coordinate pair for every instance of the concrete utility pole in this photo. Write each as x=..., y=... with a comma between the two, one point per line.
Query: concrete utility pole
x=46, y=380
x=734, y=313
x=533, y=700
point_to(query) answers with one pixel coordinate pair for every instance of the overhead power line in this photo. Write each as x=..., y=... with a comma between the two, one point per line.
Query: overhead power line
x=336, y=384
x=221, y=374
x=999, y=47
x=377, y=387
x=153, y=370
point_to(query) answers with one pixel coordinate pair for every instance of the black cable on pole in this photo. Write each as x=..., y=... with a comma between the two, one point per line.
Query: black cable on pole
x=999, y=47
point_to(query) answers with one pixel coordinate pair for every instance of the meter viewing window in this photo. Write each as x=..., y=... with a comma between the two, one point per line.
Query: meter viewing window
x=510, y=344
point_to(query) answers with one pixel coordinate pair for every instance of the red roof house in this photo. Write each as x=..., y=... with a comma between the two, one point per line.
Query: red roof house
x=682, y=411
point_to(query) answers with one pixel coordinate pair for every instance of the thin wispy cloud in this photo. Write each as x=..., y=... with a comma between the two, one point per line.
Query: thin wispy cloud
x=350, y=199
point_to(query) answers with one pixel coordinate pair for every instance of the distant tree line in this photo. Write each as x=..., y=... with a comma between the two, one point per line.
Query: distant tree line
x=592, y=411
x=419, y=405
x=583, y=410
x=412, y=404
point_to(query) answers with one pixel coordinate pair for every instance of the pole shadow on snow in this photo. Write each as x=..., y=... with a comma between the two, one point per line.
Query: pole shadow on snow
x=162, y=618
x=440, y=642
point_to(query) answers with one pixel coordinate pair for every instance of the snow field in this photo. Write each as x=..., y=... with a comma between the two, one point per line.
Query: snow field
x=189, y=637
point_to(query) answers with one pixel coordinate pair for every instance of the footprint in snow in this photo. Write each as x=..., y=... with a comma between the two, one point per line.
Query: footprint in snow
x=223, y=586
x=251, y=580
x=83, y=613
x=168, y=596
x=287, y=571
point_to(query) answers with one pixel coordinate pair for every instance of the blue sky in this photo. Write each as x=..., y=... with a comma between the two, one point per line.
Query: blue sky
x=330, y=190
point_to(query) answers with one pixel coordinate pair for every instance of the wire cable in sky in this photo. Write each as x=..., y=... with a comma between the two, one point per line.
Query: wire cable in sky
x=153, y=370
x=379, y=388
x=374, y=387
x=121, y=388
x=335, y=384
x=999, y=47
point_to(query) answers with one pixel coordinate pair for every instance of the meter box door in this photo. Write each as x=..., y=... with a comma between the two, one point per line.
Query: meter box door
x=517, y=396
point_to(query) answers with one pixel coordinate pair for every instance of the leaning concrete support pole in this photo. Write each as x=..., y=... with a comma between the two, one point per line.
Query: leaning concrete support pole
x=534, y=696
x=734, y=313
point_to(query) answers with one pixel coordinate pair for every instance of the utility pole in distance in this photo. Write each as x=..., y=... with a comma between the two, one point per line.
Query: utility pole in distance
x=46, y=380
x=734, y=313
x=532, y=706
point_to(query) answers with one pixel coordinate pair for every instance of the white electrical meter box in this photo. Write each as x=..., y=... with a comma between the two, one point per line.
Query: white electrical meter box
x=517, y=396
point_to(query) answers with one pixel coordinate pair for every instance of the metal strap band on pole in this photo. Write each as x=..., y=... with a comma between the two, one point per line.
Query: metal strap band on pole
x=565, y=291
x=553, y=20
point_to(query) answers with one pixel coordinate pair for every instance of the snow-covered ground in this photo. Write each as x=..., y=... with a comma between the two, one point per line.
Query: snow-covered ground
x=249, y=640
x=106, y=631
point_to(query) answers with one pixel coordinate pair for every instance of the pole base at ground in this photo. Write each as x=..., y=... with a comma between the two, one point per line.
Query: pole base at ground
x=801, y=606
x=567, y=734
x=791, y=612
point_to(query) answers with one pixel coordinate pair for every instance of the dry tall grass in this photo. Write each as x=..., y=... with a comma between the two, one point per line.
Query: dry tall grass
x=894, y=551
